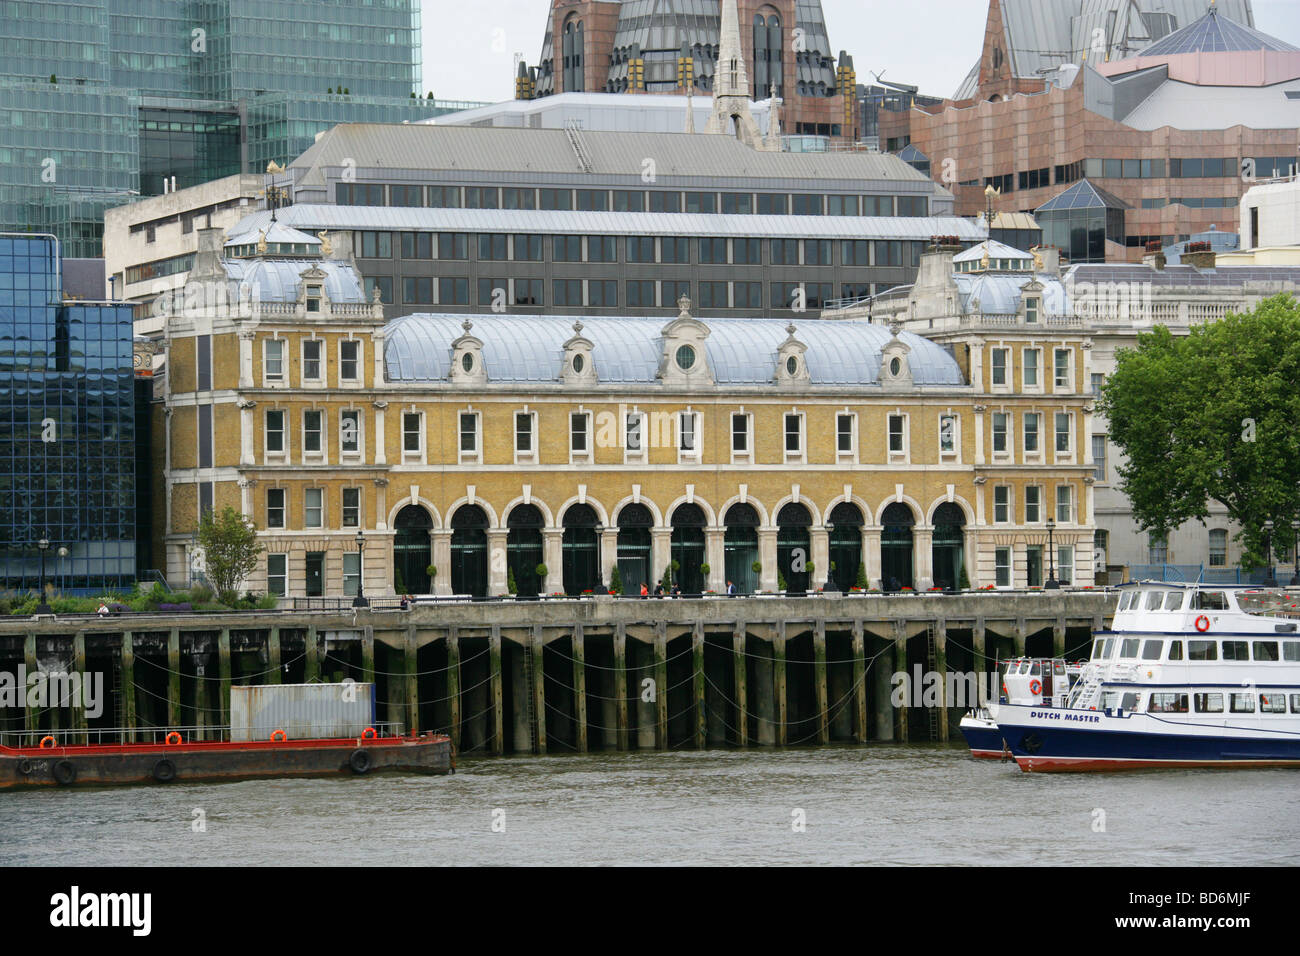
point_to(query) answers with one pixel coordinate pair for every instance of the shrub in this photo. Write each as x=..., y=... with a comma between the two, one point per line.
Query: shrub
x=541, y=571
x=780, y=581
x=757, y=567
x=510, y=581
x=616, y=581
x=862, y=576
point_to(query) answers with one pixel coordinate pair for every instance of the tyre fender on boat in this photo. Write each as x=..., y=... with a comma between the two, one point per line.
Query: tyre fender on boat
x=164, y=771
x=64, y=773
x=360, y=762
x=24, y=767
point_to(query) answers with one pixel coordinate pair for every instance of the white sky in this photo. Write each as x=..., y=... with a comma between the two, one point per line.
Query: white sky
x=470, y=45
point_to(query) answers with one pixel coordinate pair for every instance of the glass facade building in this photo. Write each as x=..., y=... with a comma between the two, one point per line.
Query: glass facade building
x=105, y=100
x=67, y=428
x=1081, y=220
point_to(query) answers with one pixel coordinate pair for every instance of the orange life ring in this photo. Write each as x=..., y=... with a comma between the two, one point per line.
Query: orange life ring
x=278, y=736
x=173, y=739
x=48, y=742
x=369, y=734
x=1202, y=623
x=1035, y=687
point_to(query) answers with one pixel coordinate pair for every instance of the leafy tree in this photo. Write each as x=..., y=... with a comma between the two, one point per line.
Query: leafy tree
x=230, y=549
x=1212, y=416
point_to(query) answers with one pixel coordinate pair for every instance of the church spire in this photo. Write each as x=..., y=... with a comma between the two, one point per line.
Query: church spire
x=731, y=109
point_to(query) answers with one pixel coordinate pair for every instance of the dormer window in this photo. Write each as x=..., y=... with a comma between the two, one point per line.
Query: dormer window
x=313, y=298
x=1032, y=305
x=686, y=358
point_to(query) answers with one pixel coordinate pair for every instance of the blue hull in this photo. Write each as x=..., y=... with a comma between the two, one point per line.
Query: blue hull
x=1038, y=747
x=983, y=742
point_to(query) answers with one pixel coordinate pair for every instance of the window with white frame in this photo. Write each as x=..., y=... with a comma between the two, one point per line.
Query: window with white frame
x=688, y=438
x=468, y=444
x=741, y=442
x=1099, y=457
x=1032, y=306
x=313, y=508
x=1218, y=548
x=1030, y=358
x=1001, y=426
x=277, y=574
x=350, y=432
x=1001, y=504
x=794, y=436
x=634, y=436
x=1064, y=504
x=276, y=440
x=1033, y=424
x=273, y=361
x=412, y=435
x=525, y=437
x=351, y=507
x=1033, y=504
x=898, y=436
x=351, y=573
x=999, y=359
x=1065, y=564
x=313, y=428
x=275, y=507
x=311, y=360
x=948, y=435
x=1063, y=433
x=1002, y=567
x=349, y=360
x=1063, y=364
x=846, y=436
x=580, y=436
x=1098, y=380
x=1157, y=548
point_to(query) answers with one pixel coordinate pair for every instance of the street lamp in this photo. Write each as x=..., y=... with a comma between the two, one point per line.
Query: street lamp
x=600, y=558
x=42, y=606
x=1268, y=551
x=1052, y=584
x=360, y=599
x=1295, y=551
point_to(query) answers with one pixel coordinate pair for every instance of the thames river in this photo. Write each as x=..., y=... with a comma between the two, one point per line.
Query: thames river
x=837, y=805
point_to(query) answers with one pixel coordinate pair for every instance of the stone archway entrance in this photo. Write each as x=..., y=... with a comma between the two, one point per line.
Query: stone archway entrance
x=896, y=547
x=469, y=558
x=412, y=551
x=947, y=551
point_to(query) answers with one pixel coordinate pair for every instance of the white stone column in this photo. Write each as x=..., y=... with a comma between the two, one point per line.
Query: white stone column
x=661, y=552
x=246, y=426
x=977, y=367
x=442, y=560
x=608, y=555
x=245, y=359
x=715, y=557
x=819, y=539
x=767, y=556
x=871, y=554
x=496, y=545
x=381, y=449
x=979, y=411
x=246, y=495
x=923, y=557
x=381, y=504
x=553, y=558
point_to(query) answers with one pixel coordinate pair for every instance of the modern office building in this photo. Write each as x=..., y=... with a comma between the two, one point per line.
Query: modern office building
x=112, y=99
x=676, y=47
x=1169, y=109
x=68, y=428
x=552, y=220
x=540, y=453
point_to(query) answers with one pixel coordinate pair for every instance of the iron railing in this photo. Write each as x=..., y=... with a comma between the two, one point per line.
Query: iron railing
x=107, y=736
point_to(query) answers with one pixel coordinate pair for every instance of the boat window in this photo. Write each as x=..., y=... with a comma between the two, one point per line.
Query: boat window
x=1291, y=650
x=1210, y=601
x=1202, y=651
x=1123, y=601
x=1209, y=703
x=1128, y=702
x=1024, y=667
x=1266, y=650
x=1235, y=651
x=1295, y=703
x=1058, y=668
x=1267, y=602
x=1274, y=703
x=1173, y=600
x=1034, y=669
x=1151, y=650
x=1175, y=650
x=1154, y=600
x=1242, y=703
x=1098, y=649
x=1108, y=701
x=1168, y=703
x=1130, y=647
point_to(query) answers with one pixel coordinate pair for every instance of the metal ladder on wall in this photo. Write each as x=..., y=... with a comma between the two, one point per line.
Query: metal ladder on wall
x=119, y=717
x=532, y=691
x=574, y=132
x=931, y=665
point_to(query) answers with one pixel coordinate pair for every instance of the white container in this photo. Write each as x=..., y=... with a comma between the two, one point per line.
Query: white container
x=302, y=711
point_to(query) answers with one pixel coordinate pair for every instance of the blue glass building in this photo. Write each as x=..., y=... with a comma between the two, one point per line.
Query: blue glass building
x=67, y=427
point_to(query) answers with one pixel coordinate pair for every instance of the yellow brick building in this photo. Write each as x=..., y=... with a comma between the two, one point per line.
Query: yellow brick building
x=544, y=452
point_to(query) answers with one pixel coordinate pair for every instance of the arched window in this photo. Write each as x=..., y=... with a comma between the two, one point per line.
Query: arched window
x=469, y=559
x=688, y=523
x=845, y=526
x=740, y=547
x=412, y=551
x=573, y=55
x=581, y=548
x=896, y=547
x=794, y=547
x=634, y=524
x=524, y=549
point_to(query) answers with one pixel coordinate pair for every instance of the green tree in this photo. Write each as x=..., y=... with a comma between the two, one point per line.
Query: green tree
x=510, y=581
x=616, y=581
x=230, y=550
x=1212, y=416
x=861, y=581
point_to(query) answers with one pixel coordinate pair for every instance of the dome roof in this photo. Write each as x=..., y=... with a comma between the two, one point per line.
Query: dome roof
x=996, y=250
x=277, y=234
x=1000, y=294
x=1216, y=34
x=277, y=280
x=741, y=352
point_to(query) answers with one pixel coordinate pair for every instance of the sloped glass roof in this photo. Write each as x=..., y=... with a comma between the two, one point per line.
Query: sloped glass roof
x=1215, y=34
x=1084, y=195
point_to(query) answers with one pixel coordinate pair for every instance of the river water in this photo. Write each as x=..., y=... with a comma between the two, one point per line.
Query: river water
x=839, y=805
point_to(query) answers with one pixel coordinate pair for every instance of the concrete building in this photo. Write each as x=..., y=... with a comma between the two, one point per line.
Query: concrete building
x=1154, y=117
x=543, y=452
x=1014, y=304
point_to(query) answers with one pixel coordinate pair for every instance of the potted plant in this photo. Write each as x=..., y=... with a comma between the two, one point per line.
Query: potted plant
x=510, y=581
x=615, y=581
x=862, y=582
x=540, y=570
x=780, y=581
x=432, y=571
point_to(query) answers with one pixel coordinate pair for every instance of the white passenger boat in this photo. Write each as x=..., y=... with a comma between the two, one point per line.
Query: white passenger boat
x=1033, y=681
x=1188, y=676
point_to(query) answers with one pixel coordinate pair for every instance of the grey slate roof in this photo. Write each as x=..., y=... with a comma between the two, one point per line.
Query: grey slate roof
x=561, y=222
x=1215, y=34
x=468, y=150
x=740, y=351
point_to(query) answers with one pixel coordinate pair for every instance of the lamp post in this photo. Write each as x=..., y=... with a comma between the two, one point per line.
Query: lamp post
x=600, y=558
x=1052, y=584
x=360, y=599
x=1268, y=551
x=42, y=606
x=1295, y=551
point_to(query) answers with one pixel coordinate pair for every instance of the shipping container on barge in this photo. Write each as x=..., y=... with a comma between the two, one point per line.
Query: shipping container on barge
x=302, y=730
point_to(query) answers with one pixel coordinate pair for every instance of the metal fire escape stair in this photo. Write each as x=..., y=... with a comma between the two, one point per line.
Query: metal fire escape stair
x=574, y=132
